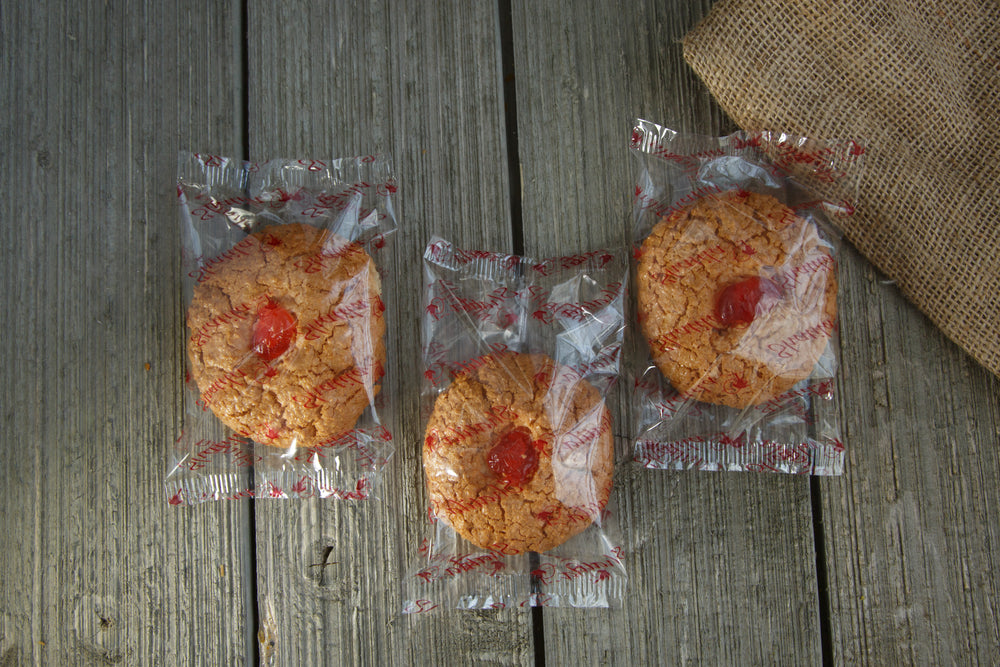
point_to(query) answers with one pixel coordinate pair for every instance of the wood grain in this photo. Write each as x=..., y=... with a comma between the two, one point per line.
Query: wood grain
x=705, y=585
x=421, y=80
x=911, y=528
x=894, y=561
x=95, y=567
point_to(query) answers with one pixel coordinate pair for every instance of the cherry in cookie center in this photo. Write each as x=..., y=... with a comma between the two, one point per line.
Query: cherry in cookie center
x=514, y=458
x=738, y=303
x=273, y=330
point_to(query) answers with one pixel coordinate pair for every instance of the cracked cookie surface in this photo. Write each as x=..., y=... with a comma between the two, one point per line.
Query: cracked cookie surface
x=482, y=478
x=744, y=253
x=286, y=336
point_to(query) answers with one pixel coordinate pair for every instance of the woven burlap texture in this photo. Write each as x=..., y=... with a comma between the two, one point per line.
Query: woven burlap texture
x=919, y=82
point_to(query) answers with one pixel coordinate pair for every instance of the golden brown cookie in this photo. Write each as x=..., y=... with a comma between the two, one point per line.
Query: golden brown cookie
x=287, y=330
x=737, y=298
x=519, y=453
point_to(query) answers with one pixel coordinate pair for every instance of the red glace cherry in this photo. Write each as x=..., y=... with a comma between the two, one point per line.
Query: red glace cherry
x=273, y=331
x=737, y=303
x=514, y=458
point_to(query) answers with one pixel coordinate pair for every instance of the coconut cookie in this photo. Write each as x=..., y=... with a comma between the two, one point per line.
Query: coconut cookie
x=519, y=453
x=287, y=331
x=737, y=298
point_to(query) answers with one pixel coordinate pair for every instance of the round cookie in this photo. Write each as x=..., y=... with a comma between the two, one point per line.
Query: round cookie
x=519, y=453
x=737, y=298
x=287, y=333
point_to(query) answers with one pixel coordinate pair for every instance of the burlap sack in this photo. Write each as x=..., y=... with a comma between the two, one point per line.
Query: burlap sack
x=920, y=82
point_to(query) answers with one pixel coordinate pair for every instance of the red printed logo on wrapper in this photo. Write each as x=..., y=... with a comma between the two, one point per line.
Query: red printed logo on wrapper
x=483, y=310
x=435, y=308
x=671, y=339
x=450, y=436
x=583, y=435
x=359, y=492
x=543, y=316
x=420, y=607
x=788, y=348
x=357, y=309
x=313, y=165
x=491, y=495
x=300, y=487
x=233, y=445
x=313, y=212
x=753, y=140
x=601, y=258
x=461, y=564
x=245, y=248
x=579, y=311
x=653, y=454
x=545, y=573
x=232, y=379
x=210, y=160
x=736, y=383
x=358, y=375
x=792, y=400
x=344, y=198
x=436, y=250
x=386, y=189
x=538, y=600
x=348, y=441
x=435, y=350
x=659, y=208
x=452, y=369
x=506, y=319
x=699, y=261
x=737, y=442
x=673, y=405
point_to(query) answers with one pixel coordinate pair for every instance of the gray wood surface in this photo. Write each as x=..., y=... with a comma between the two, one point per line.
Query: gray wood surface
x=893, y=563
x=912, y=527
x=95, y=567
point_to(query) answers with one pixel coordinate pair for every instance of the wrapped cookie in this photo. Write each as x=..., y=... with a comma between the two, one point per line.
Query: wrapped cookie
x=518, y=448
x=285, y=350
x=735, y=270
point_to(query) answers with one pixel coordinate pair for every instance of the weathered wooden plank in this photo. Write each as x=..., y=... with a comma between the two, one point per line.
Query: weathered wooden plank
x=422, y=82
x=95, y=567
x=722, y=566
x=912, y=527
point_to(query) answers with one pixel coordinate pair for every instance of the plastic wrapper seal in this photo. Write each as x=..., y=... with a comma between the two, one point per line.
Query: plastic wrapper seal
x=285, y=349
x=735, y=275
x=518, y=450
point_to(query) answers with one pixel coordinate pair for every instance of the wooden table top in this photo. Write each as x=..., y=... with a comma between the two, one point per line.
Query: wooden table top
x=508, y=126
